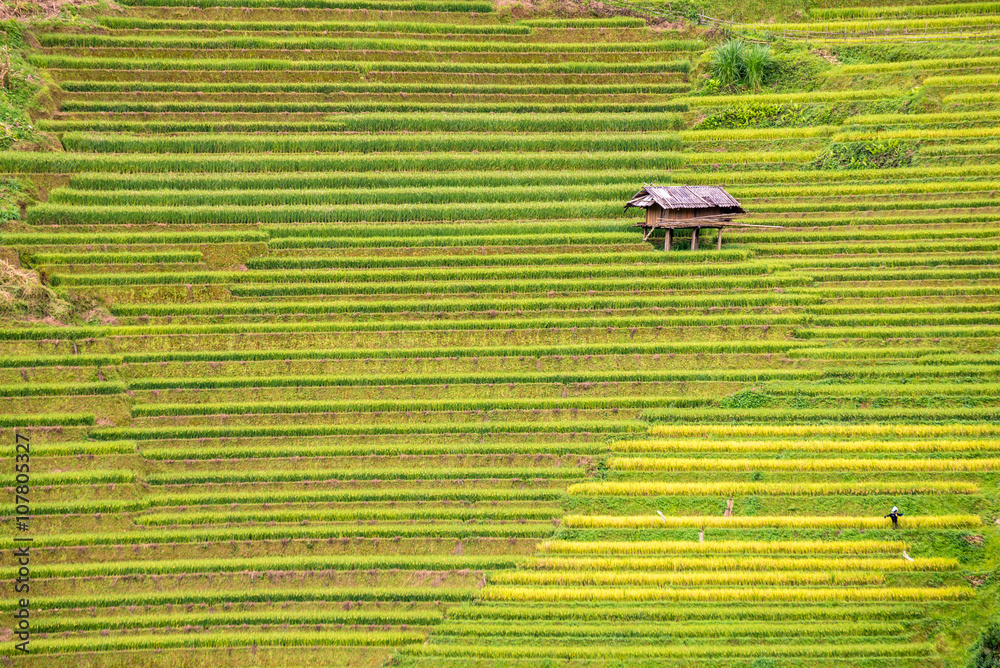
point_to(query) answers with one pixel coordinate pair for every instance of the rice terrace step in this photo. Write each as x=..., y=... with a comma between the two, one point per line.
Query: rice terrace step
x=448, y=333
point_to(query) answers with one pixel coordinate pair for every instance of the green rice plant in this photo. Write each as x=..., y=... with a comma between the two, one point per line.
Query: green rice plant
x=594, y=67
x=946, y=118
x=76, y=448
x=351, y=76
x=89, y=507
x=257, y=595
x=573, y=320
x=818, y=464
x=411, y=122
x=781, y=522
x=923, y=64
x=865, y=390
x=616, y=348
x=491, y=285
x=882, y=27
x=654, y=547
x=364, y=106
x=959, y=148
x=277, y=408
x=750, y=157
x=133, y=642
x=922, y=134
x=307, y=563
x=418, y=379
x=763, y=134
x=964, y=81
x=919, y=174
x=446, y=492
x=731, y=489
x=59, y=389
x=296, y=531
x=134, y=23
x=390, y=5
x=304, y=449
x=623, y=426
x=60, y=361
x=507, y=260
x=408, y=473
x=69, y=163
x=385, y=616
x=814, y=97
x=295, y=89
x=251, y=515
x=908, y=10
x=152, y=238
x=56, y=214
x=46, y=419
x=91, y=477
x=115, y=258
x=213, y=143
x=716, y=594
x=340, y=47
x=611, y=22
x=397, y=37
x=110, y=182
x=404, y=492
x=477, y=307
x=330, y=197
x=878, y=332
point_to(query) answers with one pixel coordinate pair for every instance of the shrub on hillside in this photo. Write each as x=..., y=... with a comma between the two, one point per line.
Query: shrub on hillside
x=870, y=154
x=986, y=651
x=756, y=115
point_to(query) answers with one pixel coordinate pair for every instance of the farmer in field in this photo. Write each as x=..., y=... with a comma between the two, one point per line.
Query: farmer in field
x=894, y=514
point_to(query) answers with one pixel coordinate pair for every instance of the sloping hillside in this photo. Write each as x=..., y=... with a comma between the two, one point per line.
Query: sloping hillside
x=374, y=368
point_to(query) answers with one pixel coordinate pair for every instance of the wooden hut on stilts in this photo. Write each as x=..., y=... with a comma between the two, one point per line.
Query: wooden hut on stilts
x=672, y=208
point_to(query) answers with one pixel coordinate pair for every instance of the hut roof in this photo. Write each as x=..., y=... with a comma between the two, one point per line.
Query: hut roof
x=684, y=197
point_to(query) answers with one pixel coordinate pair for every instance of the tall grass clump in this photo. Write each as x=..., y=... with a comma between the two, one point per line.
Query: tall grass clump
x=735, y=63
x=757, y=59
x=727, y=61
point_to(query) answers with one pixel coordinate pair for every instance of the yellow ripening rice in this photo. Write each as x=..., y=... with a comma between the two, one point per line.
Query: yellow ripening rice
x=843, y=430
x=806, y=547
x=769, y=488
x=717, y=563
x=701, y=445
x=715, y=594
x=837, y=464
x=687, y=578
x=629, y=653
x=768, y=521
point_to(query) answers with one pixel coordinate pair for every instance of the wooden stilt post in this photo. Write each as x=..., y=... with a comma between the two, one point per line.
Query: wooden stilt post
x=694, y=238
x=718, y=243
x=668, y=240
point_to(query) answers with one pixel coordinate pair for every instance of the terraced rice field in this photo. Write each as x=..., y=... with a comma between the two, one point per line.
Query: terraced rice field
x=391, y=378
x=850, y=22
